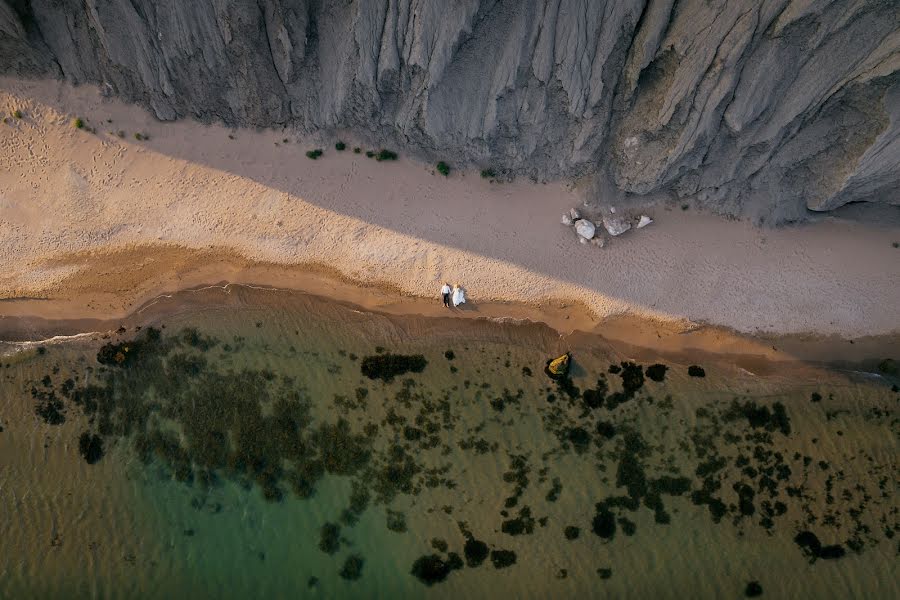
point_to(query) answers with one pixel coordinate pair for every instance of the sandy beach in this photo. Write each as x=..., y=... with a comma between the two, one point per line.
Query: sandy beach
x=95, y=223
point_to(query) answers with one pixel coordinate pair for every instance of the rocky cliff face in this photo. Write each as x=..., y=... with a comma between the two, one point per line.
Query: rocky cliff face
x=756, y=107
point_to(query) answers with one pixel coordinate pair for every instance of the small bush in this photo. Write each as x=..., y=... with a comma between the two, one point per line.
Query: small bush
x=340, y=146
x=314, y=154
x=18, y=114
x=896, y=244
x=488, y=173
x=79, y=123
x=443, y=168
x=121, y=134
x=141, y=137
x=370, y=153
x=357, y=150
x=385, y=155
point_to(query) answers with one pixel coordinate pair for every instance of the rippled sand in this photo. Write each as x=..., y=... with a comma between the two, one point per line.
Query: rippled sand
x=456, y=446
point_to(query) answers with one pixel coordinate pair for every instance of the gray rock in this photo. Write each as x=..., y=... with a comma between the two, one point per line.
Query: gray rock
x=767, y=109
x=585, y=228
x=616, y=225
x=574, y=214
x=566, y=220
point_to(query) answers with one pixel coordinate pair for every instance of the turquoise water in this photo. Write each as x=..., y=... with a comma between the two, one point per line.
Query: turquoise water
x=234, y=445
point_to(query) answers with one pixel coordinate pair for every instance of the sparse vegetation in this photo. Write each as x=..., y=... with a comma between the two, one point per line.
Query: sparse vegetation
x=314, y=154
x=370, y=153
x=488, y=174
x=443, y=168
x=79, y=123
x=121, y=134
x=141, y=137
x=357, y=150
x=385, y=155
x=340, y=146
x=284, y=141
x=684, y=207
x=896, y=244
x=18, y=114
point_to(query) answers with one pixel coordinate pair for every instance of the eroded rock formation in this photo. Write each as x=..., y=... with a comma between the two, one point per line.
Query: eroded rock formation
x=765, y=108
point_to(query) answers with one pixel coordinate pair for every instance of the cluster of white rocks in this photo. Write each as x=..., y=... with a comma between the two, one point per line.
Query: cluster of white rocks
x=589, y=231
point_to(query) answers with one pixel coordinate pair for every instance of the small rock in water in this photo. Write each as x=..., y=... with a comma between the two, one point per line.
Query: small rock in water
x=753, y=590
x=585, y=228
x=645, y=220
x=616, y=225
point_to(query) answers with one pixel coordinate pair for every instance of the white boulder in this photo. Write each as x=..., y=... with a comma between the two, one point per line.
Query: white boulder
x=615, y=225
x=585, y=228
x=645, y=220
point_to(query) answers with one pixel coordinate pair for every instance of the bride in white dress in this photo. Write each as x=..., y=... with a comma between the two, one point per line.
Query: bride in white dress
x=459, y=297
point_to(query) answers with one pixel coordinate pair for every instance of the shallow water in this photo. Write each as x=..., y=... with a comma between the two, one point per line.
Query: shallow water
x=219, y=458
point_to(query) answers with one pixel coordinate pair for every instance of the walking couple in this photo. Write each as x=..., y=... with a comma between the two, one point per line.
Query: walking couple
x=456, y=295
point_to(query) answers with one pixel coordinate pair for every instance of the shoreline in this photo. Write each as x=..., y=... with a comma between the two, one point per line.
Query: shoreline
x=31, y=320
x=96, y=224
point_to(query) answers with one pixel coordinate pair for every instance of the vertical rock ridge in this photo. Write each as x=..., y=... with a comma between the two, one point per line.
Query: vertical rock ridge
x=766, y=109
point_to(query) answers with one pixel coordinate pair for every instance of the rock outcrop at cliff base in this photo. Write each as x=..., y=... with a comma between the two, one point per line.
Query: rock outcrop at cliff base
x=764, y=108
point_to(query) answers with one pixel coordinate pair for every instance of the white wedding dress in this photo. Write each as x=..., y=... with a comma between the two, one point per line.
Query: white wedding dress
x=459, y=296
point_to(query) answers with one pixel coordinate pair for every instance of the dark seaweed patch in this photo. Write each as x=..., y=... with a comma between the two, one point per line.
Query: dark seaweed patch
x=90, y=446
x=814, y=549
x=593, y=398
x=753, y=590
x=696, y=371
x=760, y=416
x=604, y=523
x=396, y=521
x=503, y=558
x=352, y=569
x=49, y=407
x=330, y=538
x=431, y=569
x=606, y=430
x=632, y=378
x=388, y=366
x=475, y=551
x=657, y=372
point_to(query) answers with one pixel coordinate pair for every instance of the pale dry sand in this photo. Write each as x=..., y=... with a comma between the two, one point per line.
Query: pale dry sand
x=96, y=224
